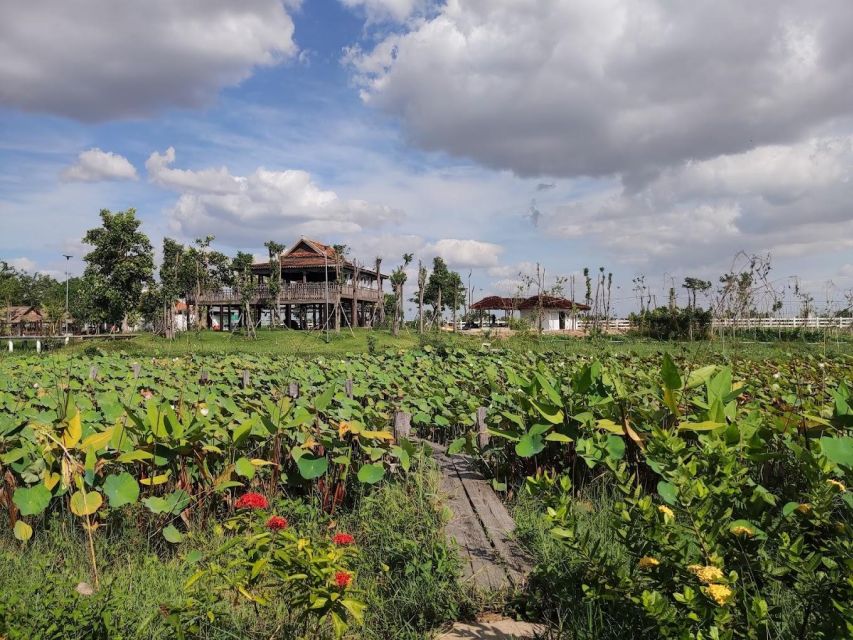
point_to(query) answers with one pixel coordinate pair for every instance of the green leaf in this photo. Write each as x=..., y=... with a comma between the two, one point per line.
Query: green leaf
x=121, y=489
x=173, y=503
x=85, y=504
x=456, y=446
x=371, y=473
x=669, y=373
x=554, y=436
x=32, y=501
x=838, y=450
x=708, y=425
x=245, y=468
x=172, y=534
x=23, y=531
x=789, y=508
x=668, y=492
x=311, y=467
x=615, y=447
x=529, y=445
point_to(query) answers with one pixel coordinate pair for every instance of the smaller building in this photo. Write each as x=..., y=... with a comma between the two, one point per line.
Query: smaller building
x=558, y=314
x=21, y=320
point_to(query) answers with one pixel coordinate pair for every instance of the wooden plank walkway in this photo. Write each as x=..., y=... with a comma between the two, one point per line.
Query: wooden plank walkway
x=480, y=525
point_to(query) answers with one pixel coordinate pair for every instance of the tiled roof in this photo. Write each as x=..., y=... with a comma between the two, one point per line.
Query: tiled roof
x=307, y=253
x=20, y=313
x=494, y=302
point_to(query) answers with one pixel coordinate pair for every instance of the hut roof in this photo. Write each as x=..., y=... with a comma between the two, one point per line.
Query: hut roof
x=20, y=313
x=491, y=303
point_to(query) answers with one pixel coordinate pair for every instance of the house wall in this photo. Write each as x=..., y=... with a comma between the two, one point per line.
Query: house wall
x=550, y=319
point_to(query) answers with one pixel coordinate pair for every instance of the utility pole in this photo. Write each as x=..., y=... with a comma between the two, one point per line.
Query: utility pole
x=67, y=258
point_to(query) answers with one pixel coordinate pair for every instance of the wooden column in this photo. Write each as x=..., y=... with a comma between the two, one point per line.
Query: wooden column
x=287, y=315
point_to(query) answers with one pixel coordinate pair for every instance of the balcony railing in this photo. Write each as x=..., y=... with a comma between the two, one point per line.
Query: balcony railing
x=290, y=293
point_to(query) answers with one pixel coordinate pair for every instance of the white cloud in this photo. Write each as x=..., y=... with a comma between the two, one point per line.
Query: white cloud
x=22, y=263
x=260, y=206
x=381, y=10
x=792, y=200
x=603, y=87
x=95, y=60
x=95, y=165
x=465, y=253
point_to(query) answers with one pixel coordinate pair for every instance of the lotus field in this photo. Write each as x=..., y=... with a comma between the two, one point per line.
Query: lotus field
x=669, y=495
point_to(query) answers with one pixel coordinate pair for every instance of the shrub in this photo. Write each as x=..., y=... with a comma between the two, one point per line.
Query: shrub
x=663, y=323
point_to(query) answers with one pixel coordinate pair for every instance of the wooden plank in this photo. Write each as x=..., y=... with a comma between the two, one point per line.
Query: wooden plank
x=481, y=565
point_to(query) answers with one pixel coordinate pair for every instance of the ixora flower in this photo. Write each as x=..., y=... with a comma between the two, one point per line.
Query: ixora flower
x=667, y=512
x=719, y=593
x=838, y=485
x=706, y=574
x=343, y=578
x=252, y=501
x=647, y=562
x=276, y=523
x=341, y=539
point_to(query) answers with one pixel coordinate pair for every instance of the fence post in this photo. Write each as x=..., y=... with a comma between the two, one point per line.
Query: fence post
x=38, y=346
x=136, y=368
x=244, y=383
x=93, y=372
x=202, y=377
x=402, y=425
x=348, y=388
x=11, y=346
x=293, y=390
x=483, y=435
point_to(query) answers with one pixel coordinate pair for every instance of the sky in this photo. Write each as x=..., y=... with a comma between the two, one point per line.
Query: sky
x=643, y=136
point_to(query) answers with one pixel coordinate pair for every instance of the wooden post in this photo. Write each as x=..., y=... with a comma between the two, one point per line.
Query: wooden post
x=93, y=372
x=244, y=383
x=348, y=388
x=202, y=377
x=136, y=368
x=483, y=435
x=402, y=425
x=293, y=390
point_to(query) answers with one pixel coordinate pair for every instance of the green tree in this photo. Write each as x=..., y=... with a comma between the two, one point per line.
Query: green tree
x=119, y=266
x=398, y=279
x=694, y=285
x=275, y=250
x=242, y=267
x=444, y=290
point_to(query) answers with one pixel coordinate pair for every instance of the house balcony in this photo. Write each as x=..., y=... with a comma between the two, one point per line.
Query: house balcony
x=290, y=293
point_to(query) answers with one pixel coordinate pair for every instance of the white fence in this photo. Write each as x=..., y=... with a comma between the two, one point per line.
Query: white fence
x=623, y=324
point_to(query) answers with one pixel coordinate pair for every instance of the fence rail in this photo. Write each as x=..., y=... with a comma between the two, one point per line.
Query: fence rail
x=291, y=293
x=623, y=324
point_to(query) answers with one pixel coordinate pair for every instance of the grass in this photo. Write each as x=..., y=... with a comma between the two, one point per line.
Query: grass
x=309, y=344
x=406, y=571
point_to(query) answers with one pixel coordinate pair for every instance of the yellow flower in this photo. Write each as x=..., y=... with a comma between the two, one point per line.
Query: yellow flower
x=647, y=562
x=667, y=512
x=838, y=485
x=740, y=530
x=804, y=508
x=720, y=593
x=706, y=574
x=343, y=428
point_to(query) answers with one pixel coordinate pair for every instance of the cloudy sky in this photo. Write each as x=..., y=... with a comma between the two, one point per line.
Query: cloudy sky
x=646, y=136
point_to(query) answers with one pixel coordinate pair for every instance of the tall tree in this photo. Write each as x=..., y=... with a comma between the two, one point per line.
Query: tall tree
x=242, y=266
x=444, y=289
x=398, y=279
x=694, y=285
x=119, y=266
x=173, y=282
x=275, y=249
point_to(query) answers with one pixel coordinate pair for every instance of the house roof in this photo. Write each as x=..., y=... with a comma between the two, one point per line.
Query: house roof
x=20, y=313
x=308, y=254
x=552, y=302
x=491, y=303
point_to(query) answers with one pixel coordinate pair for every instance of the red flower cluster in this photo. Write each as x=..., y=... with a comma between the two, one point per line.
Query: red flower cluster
x=276, y=523
x=342, y=579
x=342, y=539
x=252, y=501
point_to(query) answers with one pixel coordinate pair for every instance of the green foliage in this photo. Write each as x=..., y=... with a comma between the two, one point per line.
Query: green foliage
x=119, y=265
x=665, y=323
